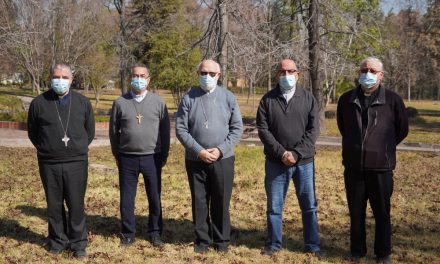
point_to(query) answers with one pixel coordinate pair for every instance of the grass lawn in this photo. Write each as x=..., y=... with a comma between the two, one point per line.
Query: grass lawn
x=415, y=212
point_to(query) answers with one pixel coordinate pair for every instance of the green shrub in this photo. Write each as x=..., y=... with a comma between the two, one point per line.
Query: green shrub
x=102, y=118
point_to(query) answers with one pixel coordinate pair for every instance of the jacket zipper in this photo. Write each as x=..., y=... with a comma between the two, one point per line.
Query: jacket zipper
x=365, y=136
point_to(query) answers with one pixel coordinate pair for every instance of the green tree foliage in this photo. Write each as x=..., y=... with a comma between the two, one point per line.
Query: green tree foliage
x=166, y=44
x=100, y=68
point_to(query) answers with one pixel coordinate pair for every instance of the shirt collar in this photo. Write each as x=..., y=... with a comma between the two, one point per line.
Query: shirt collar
x=139, y=97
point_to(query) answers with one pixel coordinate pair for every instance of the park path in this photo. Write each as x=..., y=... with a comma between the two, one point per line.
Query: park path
x=19, y=139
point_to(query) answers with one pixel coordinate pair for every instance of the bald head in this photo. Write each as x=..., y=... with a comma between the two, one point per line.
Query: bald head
x=372, y=61
x=208, y=66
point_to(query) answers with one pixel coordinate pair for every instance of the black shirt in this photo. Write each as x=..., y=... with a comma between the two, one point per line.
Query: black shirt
x=366, y=101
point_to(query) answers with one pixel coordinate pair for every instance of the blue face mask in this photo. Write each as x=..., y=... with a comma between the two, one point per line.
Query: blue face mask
x=367, y=80
x=287, y=82
x=139, y=84
x=60, y=86
x=207, y=83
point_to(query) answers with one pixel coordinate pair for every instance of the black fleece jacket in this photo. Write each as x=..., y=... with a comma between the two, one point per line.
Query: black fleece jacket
x=292, y=126
x=45, y=131
x=387, y=126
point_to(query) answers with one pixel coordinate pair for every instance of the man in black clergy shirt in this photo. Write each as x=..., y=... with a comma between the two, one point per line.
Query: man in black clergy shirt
x=372, y=121
x=61, y=126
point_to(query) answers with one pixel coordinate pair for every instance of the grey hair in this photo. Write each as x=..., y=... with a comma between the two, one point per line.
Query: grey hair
x=200, y=64
x=139, y=65
x=61, y=65
x=364, y=61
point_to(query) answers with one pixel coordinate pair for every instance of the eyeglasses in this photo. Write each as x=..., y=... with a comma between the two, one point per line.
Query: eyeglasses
x=285, y=72
x=365, y=70
x=212, y=74
x=140, y=76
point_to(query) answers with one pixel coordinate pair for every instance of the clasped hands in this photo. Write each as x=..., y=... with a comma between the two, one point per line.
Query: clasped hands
x=288, y=159
x=209, y=155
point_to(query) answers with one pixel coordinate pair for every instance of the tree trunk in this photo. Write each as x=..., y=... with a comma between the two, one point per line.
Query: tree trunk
x=313, y=32
x=438, y=87
x=123, y=48
x=97, y=97
x=222, y=44
x=253, y=95
x=35, y=82
x=409, y=88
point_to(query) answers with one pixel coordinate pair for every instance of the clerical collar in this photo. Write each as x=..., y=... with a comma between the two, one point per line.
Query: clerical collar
x=139, y=97
x=63, y=100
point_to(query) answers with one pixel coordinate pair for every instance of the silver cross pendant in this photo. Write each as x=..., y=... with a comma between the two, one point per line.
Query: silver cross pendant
x=65, y=140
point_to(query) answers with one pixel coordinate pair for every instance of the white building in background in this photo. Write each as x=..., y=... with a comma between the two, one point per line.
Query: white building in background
x=16, y=78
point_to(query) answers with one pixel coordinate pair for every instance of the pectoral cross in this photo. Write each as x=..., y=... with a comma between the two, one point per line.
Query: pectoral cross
x=139, y=118
x=65, y=140
x=206, y=124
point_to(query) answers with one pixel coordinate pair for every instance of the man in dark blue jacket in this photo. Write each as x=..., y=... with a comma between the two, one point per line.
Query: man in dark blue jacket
x=372, y=121
x=288, y=126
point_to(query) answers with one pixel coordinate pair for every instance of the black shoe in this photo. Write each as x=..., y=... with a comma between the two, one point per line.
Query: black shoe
x=353, y=259
x=383, y=260
x=318, y=254
x=200, y=248
x=222, y=249
x=127, y=241
x=54, y=251
x=268, y=251
x=157, y=242
x=79, y=254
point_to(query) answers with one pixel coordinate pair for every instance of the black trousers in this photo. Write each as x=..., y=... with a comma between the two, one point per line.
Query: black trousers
x=67, y=182
x=211, y=189
x=377, y=187
x=129, y=168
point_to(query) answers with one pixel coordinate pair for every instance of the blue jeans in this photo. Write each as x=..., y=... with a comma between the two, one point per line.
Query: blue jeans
x=276, y=183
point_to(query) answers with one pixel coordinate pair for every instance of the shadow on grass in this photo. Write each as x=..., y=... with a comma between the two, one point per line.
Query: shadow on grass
x=176, y=231
x=421, y=124
x=12, y=229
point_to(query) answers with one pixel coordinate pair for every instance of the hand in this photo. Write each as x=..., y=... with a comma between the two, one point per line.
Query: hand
x=164, y=162
x=207, y=156
x=288, y=159
x=216, y=152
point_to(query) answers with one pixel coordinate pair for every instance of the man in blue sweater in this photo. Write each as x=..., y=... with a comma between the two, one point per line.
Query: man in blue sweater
x=208, y=125
x=140, y=140
x=288, y=126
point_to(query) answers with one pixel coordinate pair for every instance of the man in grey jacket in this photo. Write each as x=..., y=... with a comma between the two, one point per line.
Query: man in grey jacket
x=140, y=139
x=209, y=124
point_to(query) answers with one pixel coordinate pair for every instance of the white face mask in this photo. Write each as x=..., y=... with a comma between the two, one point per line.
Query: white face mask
x=368, y=80
x=60, y=86
x=287, y=82
x=207, y=83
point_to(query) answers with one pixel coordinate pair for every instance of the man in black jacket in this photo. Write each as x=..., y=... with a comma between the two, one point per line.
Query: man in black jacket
x=372, y=121
x=288, y=126
x=61, y=126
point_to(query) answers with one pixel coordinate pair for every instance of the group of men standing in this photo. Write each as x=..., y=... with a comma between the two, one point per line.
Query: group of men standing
x=371, y=119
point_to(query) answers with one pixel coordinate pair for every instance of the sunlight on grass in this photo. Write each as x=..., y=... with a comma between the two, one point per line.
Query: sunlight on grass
x=415, y=210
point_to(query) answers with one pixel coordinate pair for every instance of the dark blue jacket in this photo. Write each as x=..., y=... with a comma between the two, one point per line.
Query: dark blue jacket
x=387, y=126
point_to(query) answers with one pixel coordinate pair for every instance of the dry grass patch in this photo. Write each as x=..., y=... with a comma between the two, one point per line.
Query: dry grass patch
x=415, y=211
